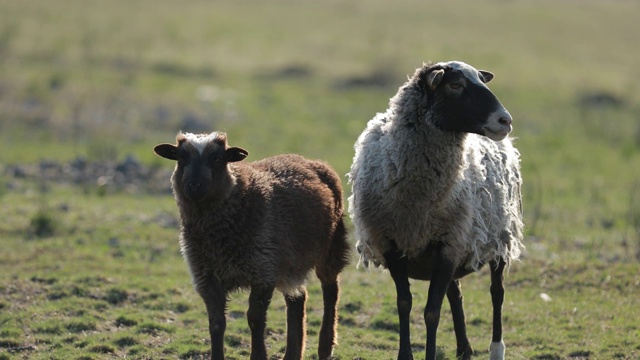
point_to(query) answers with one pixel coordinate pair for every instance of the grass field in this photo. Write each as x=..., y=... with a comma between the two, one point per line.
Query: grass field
x=93, y=272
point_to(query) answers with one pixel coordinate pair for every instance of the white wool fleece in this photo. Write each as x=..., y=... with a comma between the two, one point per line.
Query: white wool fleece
x=414, y=184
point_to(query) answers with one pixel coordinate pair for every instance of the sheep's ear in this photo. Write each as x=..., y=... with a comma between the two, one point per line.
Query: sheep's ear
x=167, y=151
x=434, y=78
x=485, y=76
x=234, y=154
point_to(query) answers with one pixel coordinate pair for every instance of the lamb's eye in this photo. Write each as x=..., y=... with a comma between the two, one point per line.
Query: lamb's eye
x=456, y=85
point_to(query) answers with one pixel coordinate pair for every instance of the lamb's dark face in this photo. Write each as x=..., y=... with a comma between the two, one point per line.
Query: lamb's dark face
x=202, y=171
x=464, y=103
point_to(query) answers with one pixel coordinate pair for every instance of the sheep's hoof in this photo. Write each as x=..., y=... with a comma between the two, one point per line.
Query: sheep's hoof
x=496, y=350
x=464, y=353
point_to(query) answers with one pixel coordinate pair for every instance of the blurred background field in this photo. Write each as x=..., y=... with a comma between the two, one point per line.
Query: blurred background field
x=90, y=268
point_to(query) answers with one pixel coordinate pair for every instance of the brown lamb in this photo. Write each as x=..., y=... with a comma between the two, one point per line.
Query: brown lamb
x=260, y=226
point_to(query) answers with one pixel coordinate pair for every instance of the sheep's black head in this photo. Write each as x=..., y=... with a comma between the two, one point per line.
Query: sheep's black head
x=461, y=102
x=202, y=171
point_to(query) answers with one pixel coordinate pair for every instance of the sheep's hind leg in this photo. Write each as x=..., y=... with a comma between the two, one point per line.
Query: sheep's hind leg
x=397, y=265
x=442, y=276
x=497, y=348
x=463, y=348
x=259, y=300
x=296, y=319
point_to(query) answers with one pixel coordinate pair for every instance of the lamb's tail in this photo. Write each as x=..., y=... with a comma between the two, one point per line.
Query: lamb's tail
x=330, y=178
x=337, y=257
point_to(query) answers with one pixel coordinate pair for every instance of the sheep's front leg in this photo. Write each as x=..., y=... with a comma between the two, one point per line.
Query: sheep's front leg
x=215, y=299
x=397, y=265
x=496, y=350
x=296, y=315
x=454, y=294
x=259, y=301
x=441, y=277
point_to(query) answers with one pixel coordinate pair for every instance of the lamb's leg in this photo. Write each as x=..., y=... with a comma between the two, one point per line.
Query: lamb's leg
x=259, y=300
x=496, y=350
x=295, y=325
x=215, y=299
x=328, y=270
x=443, y=270
x=328, y=332
x=463, y=348
x=397, y=265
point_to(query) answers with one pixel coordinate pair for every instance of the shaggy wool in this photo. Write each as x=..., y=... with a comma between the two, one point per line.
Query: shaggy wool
x=414, y=185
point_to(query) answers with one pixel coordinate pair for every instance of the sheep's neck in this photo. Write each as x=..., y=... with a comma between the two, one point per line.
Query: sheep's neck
x=438, y=164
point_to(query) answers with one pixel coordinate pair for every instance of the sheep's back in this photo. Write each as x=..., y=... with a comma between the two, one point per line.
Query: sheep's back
x=277, y=221
x=301, y=191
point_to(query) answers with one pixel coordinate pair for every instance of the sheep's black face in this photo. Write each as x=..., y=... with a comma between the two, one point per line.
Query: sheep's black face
x=200, y=175
x=463, y=103
x=202, y=172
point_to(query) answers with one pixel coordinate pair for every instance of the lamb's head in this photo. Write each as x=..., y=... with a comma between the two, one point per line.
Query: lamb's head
x=202, y=169
x=461, y=102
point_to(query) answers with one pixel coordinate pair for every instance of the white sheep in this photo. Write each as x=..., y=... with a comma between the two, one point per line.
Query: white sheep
x=261, y=226
x=434, y=198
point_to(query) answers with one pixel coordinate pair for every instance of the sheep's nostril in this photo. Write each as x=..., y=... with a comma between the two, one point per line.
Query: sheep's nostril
x=506, y=121
x=194, y=185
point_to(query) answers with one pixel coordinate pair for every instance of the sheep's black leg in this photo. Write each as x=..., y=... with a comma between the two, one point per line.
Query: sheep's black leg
x=454, y=294
x=295, y=325
x=259, y=301
x=215, y=299
x=497, y=298
x=443, y=270
x=397, y=265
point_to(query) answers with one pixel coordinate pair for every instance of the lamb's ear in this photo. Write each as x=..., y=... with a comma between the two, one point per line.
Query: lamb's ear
x=434, y=78
x=234, y=154
x=167, y=151
x=485, y=76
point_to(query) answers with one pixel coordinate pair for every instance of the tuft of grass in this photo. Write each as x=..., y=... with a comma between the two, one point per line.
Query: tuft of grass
x=126, y=322
x=78, y=326
x=102, y=349
x=116, y=296
x=43, y=224
x=153, y=328
x=125, y=341
x=48, y=328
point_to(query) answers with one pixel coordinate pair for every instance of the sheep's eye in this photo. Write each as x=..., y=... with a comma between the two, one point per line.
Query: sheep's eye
x=456, y=85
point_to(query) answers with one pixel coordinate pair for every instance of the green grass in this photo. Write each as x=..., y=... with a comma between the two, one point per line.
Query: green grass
x=111, y=283
x=88, y=273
